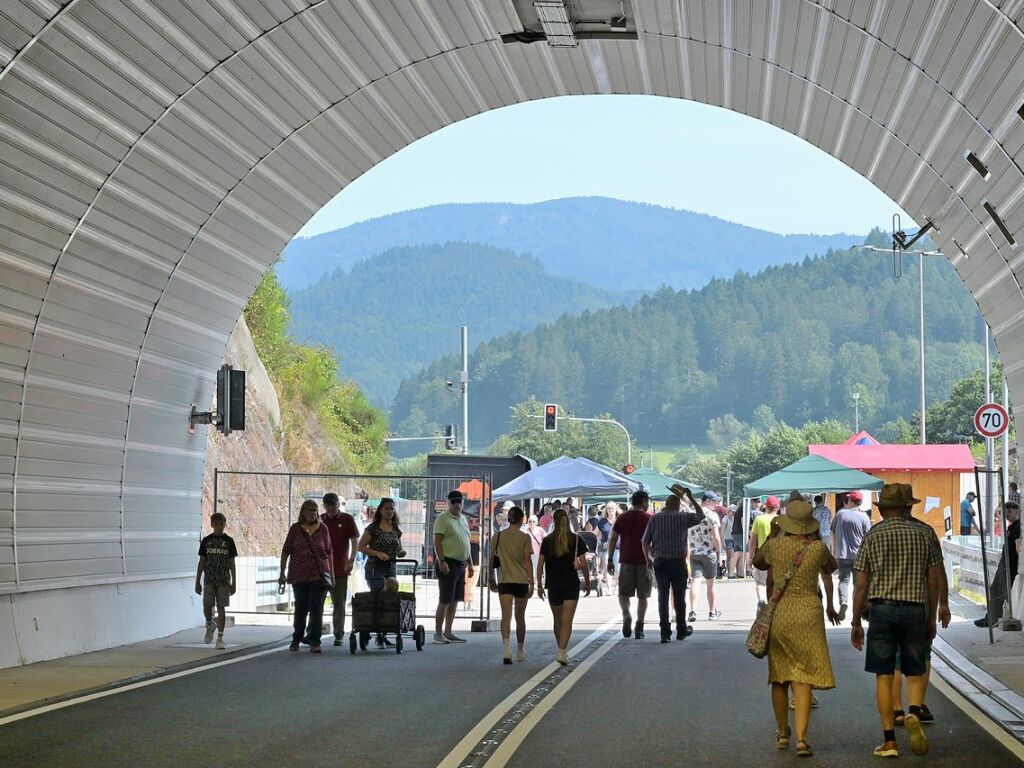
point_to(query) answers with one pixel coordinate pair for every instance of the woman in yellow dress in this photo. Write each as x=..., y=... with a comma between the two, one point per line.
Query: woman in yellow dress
x=798, y=656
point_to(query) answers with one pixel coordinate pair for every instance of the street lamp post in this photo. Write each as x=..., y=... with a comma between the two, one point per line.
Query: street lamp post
x=920, y=302
x=856, y=412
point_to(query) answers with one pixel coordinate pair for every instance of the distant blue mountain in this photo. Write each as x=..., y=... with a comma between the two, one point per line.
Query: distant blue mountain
x=610, y=244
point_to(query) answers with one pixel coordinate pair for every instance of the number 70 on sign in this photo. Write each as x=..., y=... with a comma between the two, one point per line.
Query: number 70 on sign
x=991, y=420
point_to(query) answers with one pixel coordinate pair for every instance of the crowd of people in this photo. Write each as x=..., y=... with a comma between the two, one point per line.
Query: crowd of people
x=793, y=549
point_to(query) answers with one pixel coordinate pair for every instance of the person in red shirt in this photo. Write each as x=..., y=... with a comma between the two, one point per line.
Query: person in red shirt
x=344, y=537
x=634, y=572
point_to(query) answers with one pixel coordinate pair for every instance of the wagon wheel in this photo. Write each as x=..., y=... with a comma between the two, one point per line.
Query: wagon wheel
x=420, y=635
x=352, y=642
x=398, y=643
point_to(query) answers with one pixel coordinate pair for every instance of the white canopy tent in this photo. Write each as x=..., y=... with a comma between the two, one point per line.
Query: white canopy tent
x=566, y=476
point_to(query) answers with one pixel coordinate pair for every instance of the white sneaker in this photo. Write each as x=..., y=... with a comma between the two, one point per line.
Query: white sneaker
x=440, y=640
x=210, y=629
x=562, y=658
x=455, y=639
x=220, y=644
x=521, y=654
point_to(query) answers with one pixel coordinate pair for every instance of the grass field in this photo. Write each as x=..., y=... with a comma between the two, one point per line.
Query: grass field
x=663, y=454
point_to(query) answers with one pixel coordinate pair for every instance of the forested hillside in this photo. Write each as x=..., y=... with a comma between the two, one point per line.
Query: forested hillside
x=393, y=314
x=609, y=243
x=797, y=338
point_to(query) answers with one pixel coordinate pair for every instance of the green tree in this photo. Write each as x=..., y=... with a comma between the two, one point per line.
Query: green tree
x=603, y=443
x=725, y=430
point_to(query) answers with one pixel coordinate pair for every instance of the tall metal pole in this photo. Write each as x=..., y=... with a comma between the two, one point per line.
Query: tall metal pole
x=465, y=389
x=1006, y=449
x=989, y=443
x=920, y=289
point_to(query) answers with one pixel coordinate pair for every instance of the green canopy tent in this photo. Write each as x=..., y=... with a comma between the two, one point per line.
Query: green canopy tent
x=812, y=474
x=655, y=483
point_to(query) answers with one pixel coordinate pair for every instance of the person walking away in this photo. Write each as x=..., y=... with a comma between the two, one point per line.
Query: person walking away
x=760, y=530
x=849, y=528
x=513, y=549
x=307, y=555
x=536, y=534
x=705, y=548
x=897, y=571
x=726, y=515
x=738, y=561
x=601, y=524
x=344, y=534
x=925, y=716
x=666, y=545
x=451, y=553
x=968, y=522
x=1013, y=494
x=561, y=555
x=635, y=577
x=216, y=568
x=798, y=655
x=1006, y=570
x=381, y=542
x=824, y=517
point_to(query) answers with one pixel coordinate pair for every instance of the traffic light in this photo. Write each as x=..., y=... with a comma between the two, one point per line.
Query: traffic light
x=449, y=437
x=230, y=399
x=629, y=469
x=550, y=417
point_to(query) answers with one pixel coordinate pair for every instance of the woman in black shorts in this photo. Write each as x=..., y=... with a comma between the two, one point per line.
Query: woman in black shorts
x=562, y=553
x=512, y=555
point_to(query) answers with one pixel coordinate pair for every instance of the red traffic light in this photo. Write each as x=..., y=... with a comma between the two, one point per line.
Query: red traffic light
x=551, y=417
x=629, y=469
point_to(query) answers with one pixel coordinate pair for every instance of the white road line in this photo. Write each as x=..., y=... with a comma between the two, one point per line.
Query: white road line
x=487, y=723
x=993, y=730
x=508, y=747
x=133, y=686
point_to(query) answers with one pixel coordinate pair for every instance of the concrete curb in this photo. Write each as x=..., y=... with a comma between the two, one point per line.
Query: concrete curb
x=155, y=673
x=1002, y=705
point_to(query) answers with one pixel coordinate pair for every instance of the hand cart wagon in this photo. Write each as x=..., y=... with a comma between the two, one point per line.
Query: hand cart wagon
x=382, y=613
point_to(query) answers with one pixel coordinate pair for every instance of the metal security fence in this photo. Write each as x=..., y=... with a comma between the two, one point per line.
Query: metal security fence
x=261, y=506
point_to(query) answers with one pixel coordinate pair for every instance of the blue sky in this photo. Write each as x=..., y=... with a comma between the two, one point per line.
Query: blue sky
x=668, y=152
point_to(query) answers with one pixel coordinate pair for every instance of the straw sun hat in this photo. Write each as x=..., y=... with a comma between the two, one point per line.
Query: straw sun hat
x=798, y=519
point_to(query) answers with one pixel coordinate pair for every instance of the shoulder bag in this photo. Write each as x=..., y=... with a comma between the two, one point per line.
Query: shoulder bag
x=326, y=579
x=757, y=638
x=497, y=560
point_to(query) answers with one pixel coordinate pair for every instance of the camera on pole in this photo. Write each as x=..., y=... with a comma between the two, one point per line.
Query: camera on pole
x=551, y=417
x=450, y=440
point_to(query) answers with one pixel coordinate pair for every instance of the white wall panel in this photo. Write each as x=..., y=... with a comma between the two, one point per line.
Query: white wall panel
x=183, y=147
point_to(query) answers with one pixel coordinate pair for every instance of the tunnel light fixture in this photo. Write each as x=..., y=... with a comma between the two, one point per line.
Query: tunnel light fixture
x=979, y=166
x=1000, y=224
x=555, y=21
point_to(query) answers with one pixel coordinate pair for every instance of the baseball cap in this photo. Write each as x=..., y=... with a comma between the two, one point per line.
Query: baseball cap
x=856, y=497
x=455, y=496
x=772, y=501
x=710, y=496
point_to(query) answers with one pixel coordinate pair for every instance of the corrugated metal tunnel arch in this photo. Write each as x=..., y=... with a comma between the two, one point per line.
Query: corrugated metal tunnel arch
x=157, y=155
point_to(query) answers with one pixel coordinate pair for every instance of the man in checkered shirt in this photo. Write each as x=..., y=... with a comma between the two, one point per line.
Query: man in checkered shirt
x=899, y=572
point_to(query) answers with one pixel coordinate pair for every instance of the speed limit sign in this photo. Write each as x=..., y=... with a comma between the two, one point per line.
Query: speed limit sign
x=991, y=420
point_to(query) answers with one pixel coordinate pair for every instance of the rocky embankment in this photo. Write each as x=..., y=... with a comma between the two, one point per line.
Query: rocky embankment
x=256, y=506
